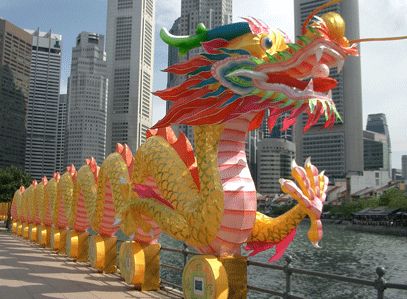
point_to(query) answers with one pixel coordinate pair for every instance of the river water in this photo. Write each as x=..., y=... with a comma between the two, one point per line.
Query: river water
x=344, y=252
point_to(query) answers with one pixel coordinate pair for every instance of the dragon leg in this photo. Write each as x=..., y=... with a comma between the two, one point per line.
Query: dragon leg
x=163, y=215
x=280, y=231
x=269, y=229
x=183, y=201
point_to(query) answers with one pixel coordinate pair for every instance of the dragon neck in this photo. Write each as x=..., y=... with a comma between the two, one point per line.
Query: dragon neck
x=232, y=160
x=239, y=193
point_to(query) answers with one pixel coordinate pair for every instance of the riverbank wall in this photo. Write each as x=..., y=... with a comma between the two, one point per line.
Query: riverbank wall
x=374, y=229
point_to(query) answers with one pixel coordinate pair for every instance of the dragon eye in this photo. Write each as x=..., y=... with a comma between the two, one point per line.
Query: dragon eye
x=266, y=43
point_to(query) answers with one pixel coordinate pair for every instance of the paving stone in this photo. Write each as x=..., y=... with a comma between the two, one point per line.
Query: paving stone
x=30, y=271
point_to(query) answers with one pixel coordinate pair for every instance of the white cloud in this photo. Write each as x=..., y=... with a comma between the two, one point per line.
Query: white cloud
x=167, y=12
x=384, y=78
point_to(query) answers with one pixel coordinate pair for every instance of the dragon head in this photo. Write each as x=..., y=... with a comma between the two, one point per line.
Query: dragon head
x=250, y=68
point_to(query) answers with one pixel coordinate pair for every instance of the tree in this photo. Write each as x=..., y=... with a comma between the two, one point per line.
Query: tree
x=10, y=180
x=394, y=198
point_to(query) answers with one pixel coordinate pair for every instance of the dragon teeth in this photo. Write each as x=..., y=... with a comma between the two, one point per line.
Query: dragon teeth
x=340, y=64
x=318, y=53
x=329, y=95
x=310, y=86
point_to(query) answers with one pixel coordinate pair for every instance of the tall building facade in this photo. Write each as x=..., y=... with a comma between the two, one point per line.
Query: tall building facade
x=404, y=167
x=130, y=61
x=213, y=14
x=273, y=162
x=61, y=163
x=378, y=123
x=276, y=132
x=15, y=66
x=376, y=151
x=87, y=100
x=340, y=151
x=42, y=124
x=274, y=153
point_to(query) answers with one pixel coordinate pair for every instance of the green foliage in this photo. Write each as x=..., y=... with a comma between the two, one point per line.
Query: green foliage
x=354, y=206
x=10, y=180
x=282, y=209
x=348, y=208
x=371, y=202
x=393, y=198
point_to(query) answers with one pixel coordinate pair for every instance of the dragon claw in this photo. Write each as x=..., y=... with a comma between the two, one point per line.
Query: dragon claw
x=308, y=162
x=310, y=194
x=117, y=221
x=282, y=181
x=315, y=244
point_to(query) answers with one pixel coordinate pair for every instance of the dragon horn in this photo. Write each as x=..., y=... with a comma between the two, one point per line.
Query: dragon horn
x=186, y=43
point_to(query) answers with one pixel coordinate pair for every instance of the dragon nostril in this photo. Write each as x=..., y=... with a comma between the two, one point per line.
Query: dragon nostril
x=320, y=70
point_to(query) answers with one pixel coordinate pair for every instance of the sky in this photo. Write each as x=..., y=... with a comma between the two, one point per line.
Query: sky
x=384, y=75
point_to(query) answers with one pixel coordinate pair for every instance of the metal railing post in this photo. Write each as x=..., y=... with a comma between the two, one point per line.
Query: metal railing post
x=288, y=273
x=380, y=283
x=185, y=253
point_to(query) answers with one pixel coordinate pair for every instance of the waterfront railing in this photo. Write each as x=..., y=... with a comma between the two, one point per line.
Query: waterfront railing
x=380, y=284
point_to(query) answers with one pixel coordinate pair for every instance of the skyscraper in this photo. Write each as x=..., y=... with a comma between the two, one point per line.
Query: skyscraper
x=213, y=14
x=376, y=151
x=378, y=123
x=130, y=60
x=273, y=162
x=61, y=133
x=87, y=100
x=339, y=152
x=15, y=65
x=404, y=167
x=376, y=142
x=276, y=132
x=42, y=125
x=275, y=151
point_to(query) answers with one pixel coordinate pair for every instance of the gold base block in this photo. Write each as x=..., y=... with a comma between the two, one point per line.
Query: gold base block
x=77, y=245
x=140, y=265
x=42, y=235
x=55, y=238
x=83, y=247
x=33, y=233
x=236, y=270
x=62, y=241
x=72, y=244
x=103, y=253
x=26, y=230
x=207, y=276
x=49, y=237
x=15, y=226
x=19, y=229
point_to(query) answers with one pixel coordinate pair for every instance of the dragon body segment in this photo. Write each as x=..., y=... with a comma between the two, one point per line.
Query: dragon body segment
x=211, y=202
x=207, y=198
x=204, y=196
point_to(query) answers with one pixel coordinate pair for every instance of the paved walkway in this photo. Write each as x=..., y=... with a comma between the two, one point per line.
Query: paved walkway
x=30, y=271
